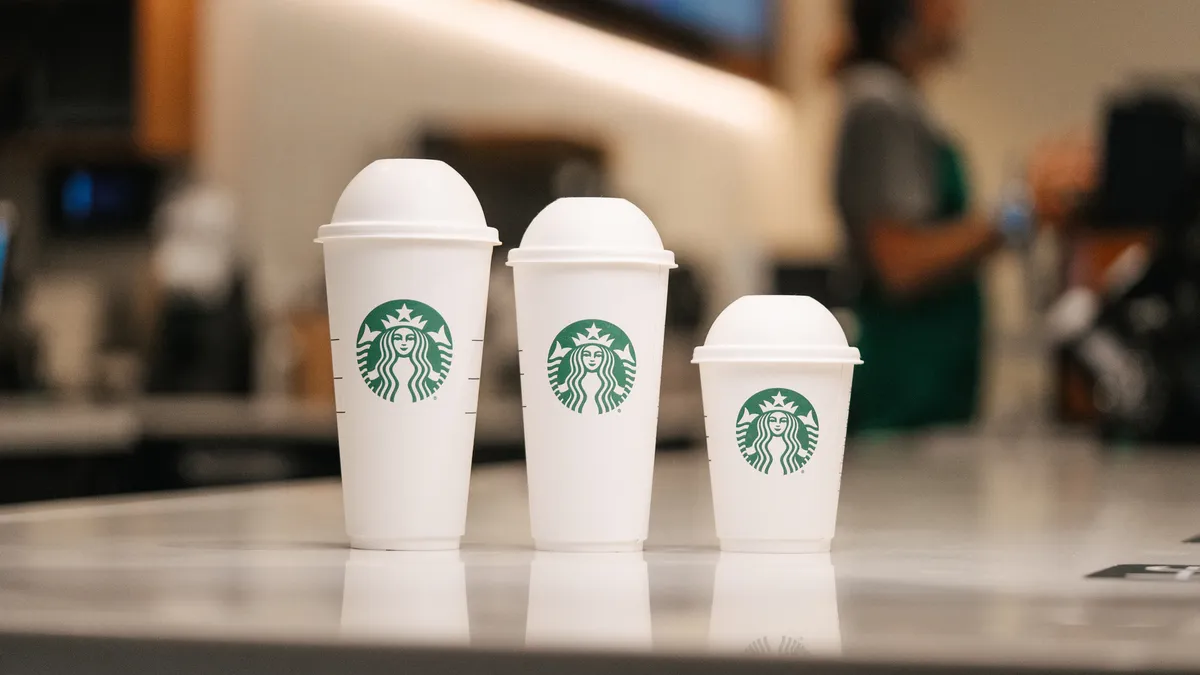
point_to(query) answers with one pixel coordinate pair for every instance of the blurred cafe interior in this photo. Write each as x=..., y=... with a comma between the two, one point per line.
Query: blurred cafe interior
x=165, y=165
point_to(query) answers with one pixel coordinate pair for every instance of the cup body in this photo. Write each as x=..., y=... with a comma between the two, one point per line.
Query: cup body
x=776, y=438
x=406, y=320
x=591, y=338
x=588, y=600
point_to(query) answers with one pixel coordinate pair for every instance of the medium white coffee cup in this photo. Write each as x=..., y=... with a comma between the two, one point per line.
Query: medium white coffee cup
x=589, y=600
x=775, y=605
x=775, y=375
x=591, y=291
x=407, y=260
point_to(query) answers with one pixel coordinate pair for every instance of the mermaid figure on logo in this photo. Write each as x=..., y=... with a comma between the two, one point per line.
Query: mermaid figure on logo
x=591, y=375
x=404, y=356
x=778, y=432
x=404, y=362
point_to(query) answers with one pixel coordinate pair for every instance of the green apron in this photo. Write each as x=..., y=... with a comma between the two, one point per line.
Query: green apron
x=921, y=357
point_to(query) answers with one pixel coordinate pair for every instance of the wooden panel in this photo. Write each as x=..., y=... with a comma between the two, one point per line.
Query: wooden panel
x=166, y=63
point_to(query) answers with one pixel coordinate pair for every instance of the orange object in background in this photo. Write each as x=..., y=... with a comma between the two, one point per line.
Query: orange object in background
x=166, y=56
x=312, y=375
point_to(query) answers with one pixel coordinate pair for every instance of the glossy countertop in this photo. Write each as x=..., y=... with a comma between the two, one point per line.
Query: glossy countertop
x=951, y=549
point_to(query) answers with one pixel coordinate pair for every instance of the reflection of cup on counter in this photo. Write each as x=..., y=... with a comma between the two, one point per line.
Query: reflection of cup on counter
x=411, y=596
x=588, y=600
x=775, y=605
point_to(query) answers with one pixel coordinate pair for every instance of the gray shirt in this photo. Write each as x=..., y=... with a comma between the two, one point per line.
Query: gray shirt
x=887, y=158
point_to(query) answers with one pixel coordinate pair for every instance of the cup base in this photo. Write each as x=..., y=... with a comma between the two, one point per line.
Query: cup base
x=447, y=544
x=589, y=547
x=775, y=545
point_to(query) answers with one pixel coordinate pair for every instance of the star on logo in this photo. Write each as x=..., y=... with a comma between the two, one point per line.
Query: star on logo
x=779, y=402
x=593, y=337
x=404, y=317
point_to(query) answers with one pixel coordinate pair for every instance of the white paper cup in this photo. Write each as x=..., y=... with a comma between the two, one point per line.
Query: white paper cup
x=407, y=265
x=775, y=605
x=412, y=596
x=775, y=375
x=591, y=290
x=588, y=600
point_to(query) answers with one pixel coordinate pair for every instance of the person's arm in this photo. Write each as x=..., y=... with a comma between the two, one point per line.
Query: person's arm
x=908, y=259
x=885, y=193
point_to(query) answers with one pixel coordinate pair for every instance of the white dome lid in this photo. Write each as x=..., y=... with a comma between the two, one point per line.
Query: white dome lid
x=410, y=198
x=592, y=229
x=776, y=328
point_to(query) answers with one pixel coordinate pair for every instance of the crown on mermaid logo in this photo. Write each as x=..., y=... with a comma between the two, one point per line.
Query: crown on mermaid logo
x=779, y=403
x=593, y=337
x=404, y=319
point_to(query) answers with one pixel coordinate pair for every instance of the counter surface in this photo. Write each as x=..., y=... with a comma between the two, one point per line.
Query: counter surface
x=950, y=549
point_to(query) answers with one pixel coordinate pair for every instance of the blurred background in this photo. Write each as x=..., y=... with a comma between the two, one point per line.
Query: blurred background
x=164, y=165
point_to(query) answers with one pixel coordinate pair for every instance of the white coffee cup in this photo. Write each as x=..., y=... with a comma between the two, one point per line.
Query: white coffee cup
x=588, y=600
x=411, y=596
x=407, y=261
x=591, y=291
x=775, y=605
x=775, y=375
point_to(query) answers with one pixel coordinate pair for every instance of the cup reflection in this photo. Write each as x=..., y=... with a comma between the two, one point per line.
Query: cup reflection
x=406, y=596
x=775, y=605
x=588, y=600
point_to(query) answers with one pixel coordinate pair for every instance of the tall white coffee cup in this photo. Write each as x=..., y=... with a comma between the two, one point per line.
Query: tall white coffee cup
x=775, y=375
x=407, y=260
x=591, y=290
x=775, y=605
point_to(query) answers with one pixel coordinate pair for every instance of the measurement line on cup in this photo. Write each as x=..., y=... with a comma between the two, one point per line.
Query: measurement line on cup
x=335, y=339
x=473, y=412
x=477, y=340
x=472, y=379
x=340, y=412
x=339, y=378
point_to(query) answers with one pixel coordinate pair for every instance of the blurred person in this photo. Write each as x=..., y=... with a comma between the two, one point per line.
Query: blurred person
x=915, y=244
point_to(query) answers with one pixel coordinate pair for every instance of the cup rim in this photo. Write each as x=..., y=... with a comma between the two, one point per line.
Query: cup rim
x=816, y=354
x=581, y=255
x=415, y=231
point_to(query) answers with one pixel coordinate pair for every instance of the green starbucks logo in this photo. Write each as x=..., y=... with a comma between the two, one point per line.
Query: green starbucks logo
x=404, y=349
x=592, y=366
x=777, y=431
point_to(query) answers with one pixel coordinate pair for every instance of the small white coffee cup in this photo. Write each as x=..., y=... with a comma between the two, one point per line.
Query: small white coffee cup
x=775, y=374
x=407, y=264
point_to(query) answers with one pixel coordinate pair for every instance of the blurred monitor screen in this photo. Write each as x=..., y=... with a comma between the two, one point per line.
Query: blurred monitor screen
x=100, y=200
x=735, y=35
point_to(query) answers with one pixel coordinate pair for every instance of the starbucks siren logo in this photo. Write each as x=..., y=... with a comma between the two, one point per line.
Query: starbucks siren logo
x=404, y=349
x=777, y=431
x=592, y=366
